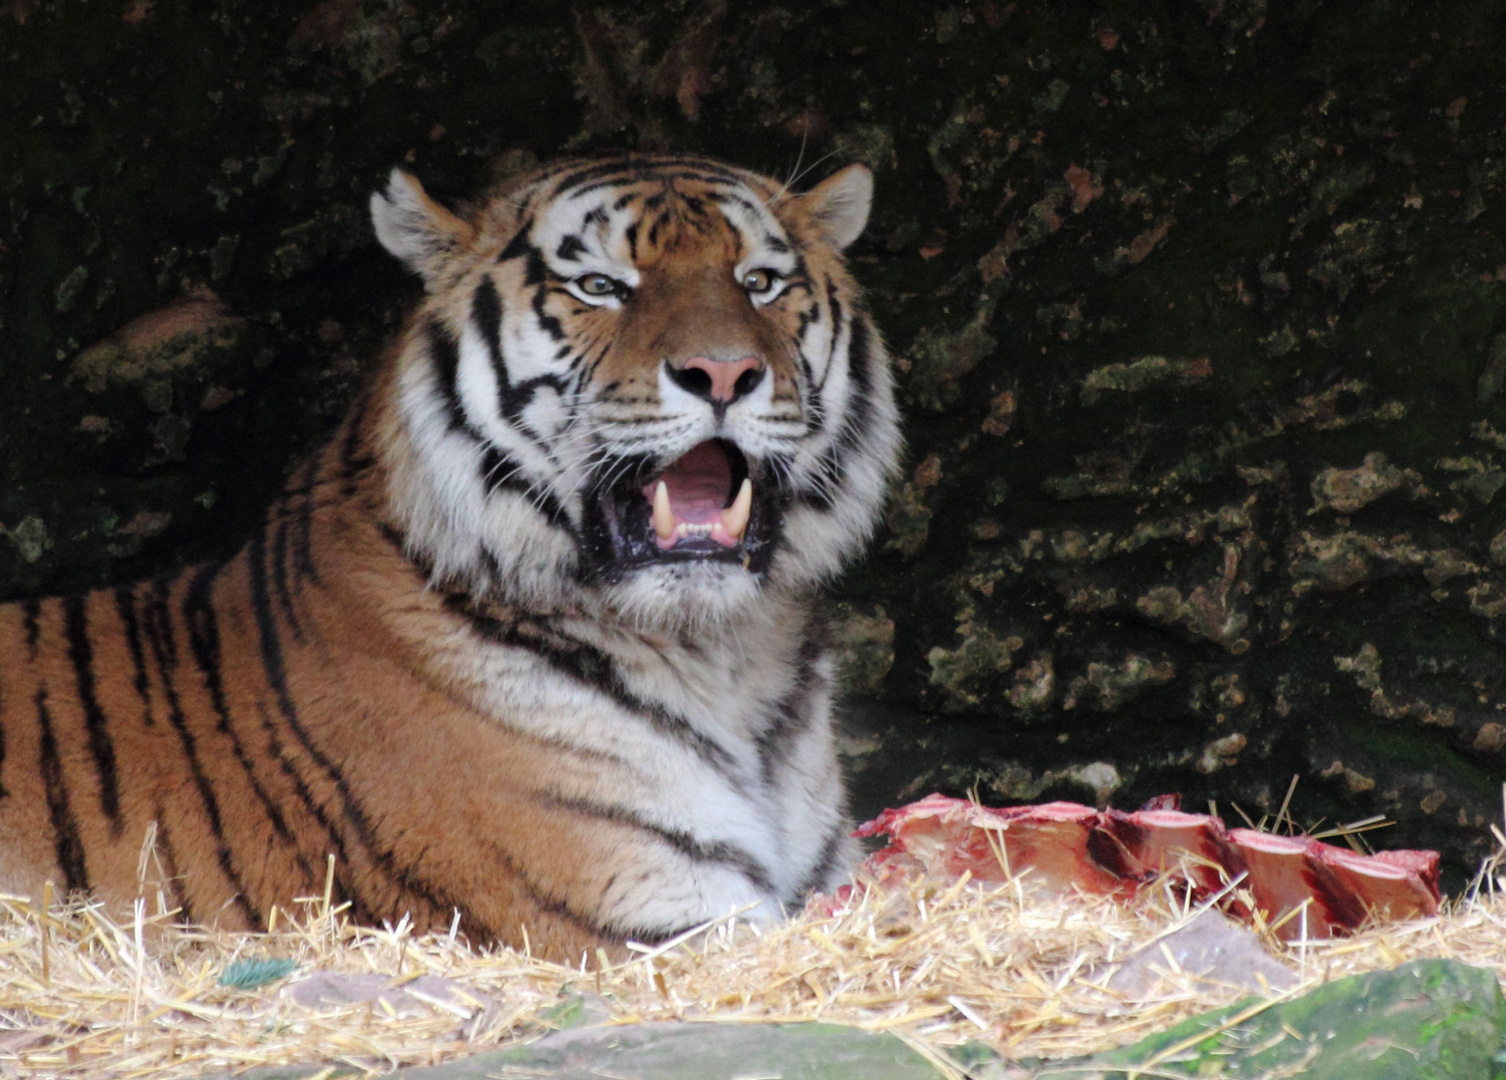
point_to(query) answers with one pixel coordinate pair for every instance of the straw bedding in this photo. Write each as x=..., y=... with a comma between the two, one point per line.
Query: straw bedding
x=937, y=962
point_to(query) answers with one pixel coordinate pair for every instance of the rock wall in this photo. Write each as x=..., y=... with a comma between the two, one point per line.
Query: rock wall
x=1200, y=305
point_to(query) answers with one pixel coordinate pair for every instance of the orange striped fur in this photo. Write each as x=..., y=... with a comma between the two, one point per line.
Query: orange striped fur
x=455, y=656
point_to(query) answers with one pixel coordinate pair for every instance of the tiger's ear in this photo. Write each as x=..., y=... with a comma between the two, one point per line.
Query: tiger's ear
x=839, y=205
x=421, y=233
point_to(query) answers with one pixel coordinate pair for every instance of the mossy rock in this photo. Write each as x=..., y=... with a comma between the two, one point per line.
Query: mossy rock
x=1427, y=1020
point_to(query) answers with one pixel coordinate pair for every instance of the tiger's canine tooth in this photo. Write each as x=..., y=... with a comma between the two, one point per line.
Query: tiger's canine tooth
x=664, y=515
x=735, y=517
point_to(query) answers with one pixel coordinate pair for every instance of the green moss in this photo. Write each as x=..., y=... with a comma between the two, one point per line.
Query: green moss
x=1433, y=1019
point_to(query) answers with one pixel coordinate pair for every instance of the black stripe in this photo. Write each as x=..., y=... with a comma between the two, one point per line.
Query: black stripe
x=621, y=178
x=399, y=542
x=537, y=270
x=31, y=611
x=486, y=310
x=204, y=643
x=158, y=626
x=518, y=246
x=547, y=322
x=808, y=317
x=733, y=197
x=280, y=576
x=554, y=905
x=632, y=169
x=159, y=634
x=486, y=313
x=488, y=560
x=544, y=502
x=831, y=473
x=818, y=407
x=707, y=177
x=355, y=457
x=718, y=852
x=499, y=470
x=445, y=354
x=826, y=861
x=273, y=666
x=860, y=366
x=620, y=170
x=303, y=537
x=588, y=369
x=659, y=223
x=101, y=747
x=67, y=847
x=570, y=248
x=792, y=716
x=170, y=868
x=277, y=752
x=125, y=603
x=860, y=356
x=851, y=437
x=594, y=668
x=822, y=494
x=860, y=398
x=834, y=304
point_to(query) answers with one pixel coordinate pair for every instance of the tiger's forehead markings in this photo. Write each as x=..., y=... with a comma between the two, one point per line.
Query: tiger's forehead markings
x=755, y=216
x=631, y=172
x=679, y=219
x=662, y=208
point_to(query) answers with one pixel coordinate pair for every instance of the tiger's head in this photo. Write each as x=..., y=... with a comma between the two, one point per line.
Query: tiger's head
x=643, y=381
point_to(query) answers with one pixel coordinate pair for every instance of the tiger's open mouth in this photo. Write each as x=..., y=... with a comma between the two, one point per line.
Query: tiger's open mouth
x=710, y=504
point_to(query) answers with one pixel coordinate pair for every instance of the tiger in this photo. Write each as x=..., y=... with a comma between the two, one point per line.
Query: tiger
x=533, y=644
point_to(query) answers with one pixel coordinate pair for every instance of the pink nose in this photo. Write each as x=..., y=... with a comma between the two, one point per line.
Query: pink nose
x=728, y=382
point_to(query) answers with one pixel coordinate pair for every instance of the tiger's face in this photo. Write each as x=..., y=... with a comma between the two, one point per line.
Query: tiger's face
x=644, y=380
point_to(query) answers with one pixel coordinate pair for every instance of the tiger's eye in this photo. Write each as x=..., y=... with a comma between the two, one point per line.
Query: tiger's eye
x=760, y=281
x=598, y=285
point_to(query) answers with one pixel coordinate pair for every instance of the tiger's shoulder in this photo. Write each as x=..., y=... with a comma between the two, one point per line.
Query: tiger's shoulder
x=531, y=638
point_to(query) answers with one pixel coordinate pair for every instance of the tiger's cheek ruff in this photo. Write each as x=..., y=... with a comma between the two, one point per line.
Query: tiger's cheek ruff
x=842, y=470
x=466, y=507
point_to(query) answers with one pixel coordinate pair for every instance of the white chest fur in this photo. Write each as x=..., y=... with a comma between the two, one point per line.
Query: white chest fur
x=716, y=745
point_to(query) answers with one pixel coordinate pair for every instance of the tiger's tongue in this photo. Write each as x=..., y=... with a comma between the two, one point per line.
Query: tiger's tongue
x=698, y=484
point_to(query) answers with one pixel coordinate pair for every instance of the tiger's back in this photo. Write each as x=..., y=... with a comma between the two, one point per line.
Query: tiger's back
x=531, y=638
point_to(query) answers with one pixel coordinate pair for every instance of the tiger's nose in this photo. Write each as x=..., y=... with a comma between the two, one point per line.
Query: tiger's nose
x=720, y=382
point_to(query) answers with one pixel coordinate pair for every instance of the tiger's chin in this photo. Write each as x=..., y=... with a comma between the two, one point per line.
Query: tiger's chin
x=684, y=595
